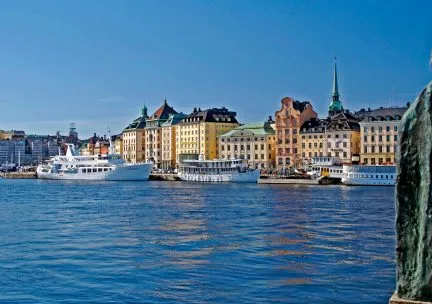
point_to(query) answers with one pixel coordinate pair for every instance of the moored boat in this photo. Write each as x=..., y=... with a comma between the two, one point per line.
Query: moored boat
x=110, y=167
x=219, y=170
x=369, y=175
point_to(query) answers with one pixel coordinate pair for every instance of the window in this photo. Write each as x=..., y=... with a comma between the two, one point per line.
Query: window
x=380, y=138
x=395, y=128
x=373, y=149
x=388, y=149
x=395, y=138
x=364, y=149
x=344, y=144
x=388, y=128
x=345, y=155
x=365, y=129
x=365, y=138
x=380, y=128
x=388, y=137
x=345, y=136
x=372, y=129
x=373, y=138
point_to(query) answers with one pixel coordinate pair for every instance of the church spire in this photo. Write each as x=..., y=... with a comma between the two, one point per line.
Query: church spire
x=336, y=105
x=335, y=94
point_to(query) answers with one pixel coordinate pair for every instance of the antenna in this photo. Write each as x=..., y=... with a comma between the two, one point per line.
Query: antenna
x=111, y=146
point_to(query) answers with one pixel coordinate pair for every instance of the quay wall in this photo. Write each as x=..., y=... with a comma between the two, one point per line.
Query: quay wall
x=19, y=175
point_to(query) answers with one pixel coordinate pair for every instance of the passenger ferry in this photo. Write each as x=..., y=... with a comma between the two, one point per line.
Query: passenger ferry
x=110, y=167
x=369, y=175
x=325, y=166
x=219, y=170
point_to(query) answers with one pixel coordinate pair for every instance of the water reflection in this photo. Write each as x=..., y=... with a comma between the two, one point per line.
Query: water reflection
x=194, y=243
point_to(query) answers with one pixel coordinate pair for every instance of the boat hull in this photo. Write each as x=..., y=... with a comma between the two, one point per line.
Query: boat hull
x=372, y=175
x=368, y=182
x=245, y=177
x=130, y=172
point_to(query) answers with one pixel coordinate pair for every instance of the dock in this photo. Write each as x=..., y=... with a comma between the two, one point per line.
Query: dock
x=18, y=175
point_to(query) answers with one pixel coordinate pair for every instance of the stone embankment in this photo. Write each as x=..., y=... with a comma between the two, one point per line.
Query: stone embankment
x=18, y=175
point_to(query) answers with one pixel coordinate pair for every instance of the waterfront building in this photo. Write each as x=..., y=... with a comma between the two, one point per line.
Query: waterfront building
x=289, y=119
x=169, y=140
x=342, y=137
x=379, y=132
x=4, y=135
x=198, y=133
x=117, y=141
x=312, y=136
x=254, y=143
x=32, y=149
x=95, y=146
x=153, y=133
x=134, y=139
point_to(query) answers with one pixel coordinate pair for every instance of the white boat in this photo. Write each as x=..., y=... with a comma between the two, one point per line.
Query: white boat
x=109, y=167
x=325, y=166
x=373, y=175
x=219, y=170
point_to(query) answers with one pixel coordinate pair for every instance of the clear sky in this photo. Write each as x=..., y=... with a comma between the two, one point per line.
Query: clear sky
x=96, y=63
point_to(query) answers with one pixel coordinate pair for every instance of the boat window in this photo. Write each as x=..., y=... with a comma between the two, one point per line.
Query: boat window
x=386, y=176
x=382, y=176
x=84, y=170
x=94, y=170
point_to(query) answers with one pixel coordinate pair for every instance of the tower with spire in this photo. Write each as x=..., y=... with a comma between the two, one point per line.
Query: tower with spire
x=335, y=105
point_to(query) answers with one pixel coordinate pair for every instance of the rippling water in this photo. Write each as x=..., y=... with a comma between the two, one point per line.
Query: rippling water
x=162, y=242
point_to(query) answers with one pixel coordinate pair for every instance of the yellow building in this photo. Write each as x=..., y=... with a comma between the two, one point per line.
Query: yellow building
x=169, y=141
x=118, y=144
x=134, y=139
x=254, y=143
x=342, y=138
x=198, y=133
x=5, y=135
x=379, y=131
x=153, y=134
x=312, y=136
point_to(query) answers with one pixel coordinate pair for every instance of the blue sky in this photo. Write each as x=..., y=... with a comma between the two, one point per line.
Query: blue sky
x=96, y=63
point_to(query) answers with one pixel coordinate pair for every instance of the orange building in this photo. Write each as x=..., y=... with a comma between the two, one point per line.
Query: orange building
x=289, y=119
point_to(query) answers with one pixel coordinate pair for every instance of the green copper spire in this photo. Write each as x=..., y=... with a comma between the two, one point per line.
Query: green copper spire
x=336, y=105
x=144, y=111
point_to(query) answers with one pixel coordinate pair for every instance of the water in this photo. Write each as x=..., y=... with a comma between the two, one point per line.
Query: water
x=162, y=242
